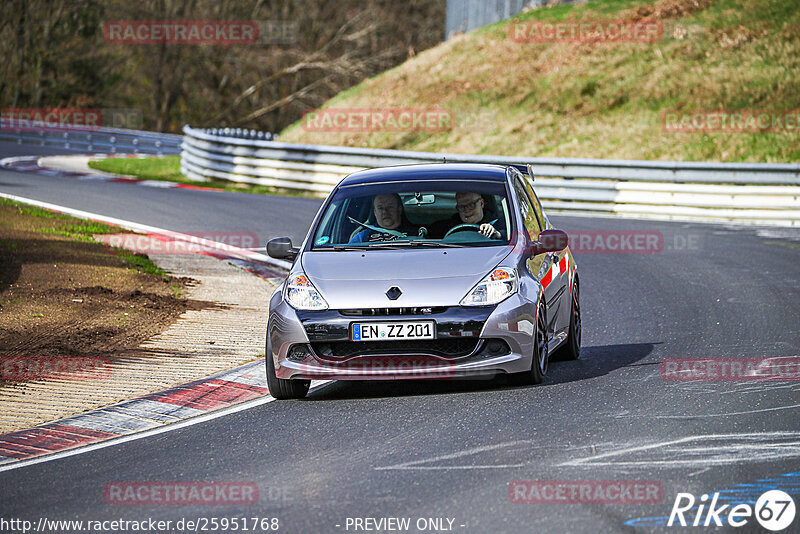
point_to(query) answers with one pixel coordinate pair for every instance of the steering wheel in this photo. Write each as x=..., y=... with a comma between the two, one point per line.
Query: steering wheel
x=462, y=228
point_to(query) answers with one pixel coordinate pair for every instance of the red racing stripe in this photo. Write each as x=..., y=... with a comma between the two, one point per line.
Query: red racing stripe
x=548, y=277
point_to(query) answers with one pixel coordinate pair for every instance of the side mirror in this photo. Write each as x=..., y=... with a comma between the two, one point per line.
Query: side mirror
x=550, y=241
x=280, y=248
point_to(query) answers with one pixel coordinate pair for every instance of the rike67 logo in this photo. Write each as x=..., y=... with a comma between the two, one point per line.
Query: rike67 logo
x=774, y=510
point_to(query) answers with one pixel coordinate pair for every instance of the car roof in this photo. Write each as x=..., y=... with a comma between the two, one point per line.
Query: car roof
x=428, y=171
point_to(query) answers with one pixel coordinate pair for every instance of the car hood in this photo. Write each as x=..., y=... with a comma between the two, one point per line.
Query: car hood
x=430, y=277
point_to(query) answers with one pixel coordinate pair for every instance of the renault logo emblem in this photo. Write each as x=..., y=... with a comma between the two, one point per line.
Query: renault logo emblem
x=394, y=293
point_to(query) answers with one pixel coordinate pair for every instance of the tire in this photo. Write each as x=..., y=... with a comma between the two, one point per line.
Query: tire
x=571, y=350
x=279, y=387
x=540, y=359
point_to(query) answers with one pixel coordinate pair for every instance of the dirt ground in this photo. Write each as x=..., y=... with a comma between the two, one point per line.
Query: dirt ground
x=62, y=295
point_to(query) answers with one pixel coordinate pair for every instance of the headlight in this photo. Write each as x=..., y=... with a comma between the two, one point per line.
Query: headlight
x=302, y=295
x=496, y=287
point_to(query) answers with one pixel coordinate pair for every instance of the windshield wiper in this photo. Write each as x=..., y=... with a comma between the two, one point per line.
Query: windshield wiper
x=388, y=245
x=421, y=243
x=414, y=243
x=391, y=245
x=339, y=248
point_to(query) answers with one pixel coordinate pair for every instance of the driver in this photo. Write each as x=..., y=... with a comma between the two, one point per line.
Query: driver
x=470, y=211
x=388, y=209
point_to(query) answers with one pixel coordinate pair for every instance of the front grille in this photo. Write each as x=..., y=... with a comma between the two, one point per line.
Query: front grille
x=447, y=347
x=372, y=312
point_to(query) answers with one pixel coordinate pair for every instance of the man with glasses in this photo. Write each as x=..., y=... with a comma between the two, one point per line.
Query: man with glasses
x=471, y=210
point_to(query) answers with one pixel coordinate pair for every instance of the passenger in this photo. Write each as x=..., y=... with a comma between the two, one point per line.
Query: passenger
x=388, y=209
x=470, y=211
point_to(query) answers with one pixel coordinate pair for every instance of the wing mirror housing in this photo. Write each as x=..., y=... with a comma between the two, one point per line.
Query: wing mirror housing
x=550, y=241
x=281, y=248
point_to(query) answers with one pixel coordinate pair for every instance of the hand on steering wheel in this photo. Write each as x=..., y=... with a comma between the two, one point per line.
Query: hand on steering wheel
x=463, y=227
x=489, y=231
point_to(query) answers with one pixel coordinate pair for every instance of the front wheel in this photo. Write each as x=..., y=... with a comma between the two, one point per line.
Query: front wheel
x=279, y=387
x=540, y=355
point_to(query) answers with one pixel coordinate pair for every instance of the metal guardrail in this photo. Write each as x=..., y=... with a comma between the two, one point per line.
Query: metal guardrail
x=81, y=138
x=743, y=192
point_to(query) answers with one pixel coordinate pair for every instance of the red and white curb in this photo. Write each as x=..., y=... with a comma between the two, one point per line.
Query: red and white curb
x=150, y=411
x=33, y=164
x=216, y=396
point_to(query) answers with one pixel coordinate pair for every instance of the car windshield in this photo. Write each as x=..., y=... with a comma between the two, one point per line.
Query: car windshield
x=419, y=213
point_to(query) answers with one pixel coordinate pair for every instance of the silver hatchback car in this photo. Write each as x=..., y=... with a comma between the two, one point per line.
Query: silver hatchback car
x=424, y=272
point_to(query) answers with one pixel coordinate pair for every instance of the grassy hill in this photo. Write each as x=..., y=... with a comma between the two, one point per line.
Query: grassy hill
x=601, y=99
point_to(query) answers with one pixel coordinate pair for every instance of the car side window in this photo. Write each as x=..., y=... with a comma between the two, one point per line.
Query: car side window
x=532, y=225
x=537, y=205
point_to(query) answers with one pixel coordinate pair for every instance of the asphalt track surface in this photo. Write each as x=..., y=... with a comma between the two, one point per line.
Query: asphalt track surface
x=451, y=449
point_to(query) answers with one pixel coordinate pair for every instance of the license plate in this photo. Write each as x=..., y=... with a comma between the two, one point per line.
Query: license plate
x=393, y=331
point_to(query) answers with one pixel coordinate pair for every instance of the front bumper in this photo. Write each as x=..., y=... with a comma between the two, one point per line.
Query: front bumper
x=470, y=342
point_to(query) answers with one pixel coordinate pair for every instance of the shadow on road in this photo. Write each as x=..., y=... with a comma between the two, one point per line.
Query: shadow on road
x=595, y=361
x=598, y=361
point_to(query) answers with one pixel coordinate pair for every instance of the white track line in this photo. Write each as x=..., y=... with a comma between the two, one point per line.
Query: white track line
x=5, y=162
x=152, y=432
x=143, y=228
x=129, y=225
